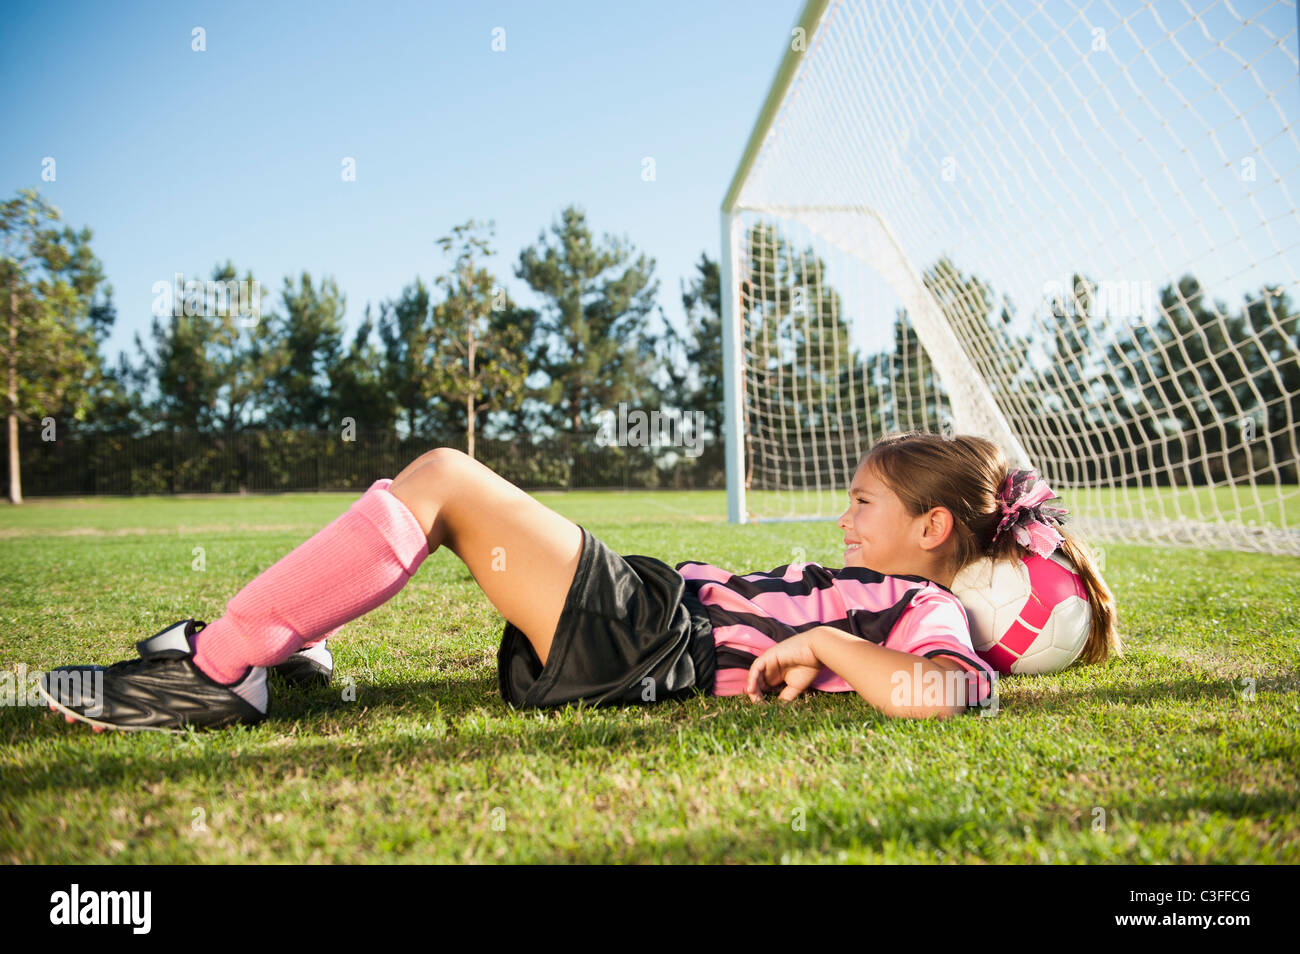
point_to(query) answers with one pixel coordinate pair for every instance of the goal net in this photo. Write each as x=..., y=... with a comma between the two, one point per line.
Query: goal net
x=1068, y=227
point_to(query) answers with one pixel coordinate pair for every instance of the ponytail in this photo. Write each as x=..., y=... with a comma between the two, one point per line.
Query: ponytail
x=1103, y=637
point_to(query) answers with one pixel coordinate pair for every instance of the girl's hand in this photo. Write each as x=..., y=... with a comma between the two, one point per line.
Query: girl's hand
x=791, y=662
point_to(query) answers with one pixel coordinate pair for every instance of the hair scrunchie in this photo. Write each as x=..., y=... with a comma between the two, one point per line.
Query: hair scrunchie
x=1022, y=498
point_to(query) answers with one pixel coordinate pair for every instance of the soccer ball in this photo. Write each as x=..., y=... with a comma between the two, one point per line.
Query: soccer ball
x=1026, y=616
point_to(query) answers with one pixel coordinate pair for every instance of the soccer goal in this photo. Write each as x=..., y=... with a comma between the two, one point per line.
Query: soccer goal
x=1068, y=227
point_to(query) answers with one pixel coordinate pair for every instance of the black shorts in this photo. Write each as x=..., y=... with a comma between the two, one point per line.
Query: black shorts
x=630, y=633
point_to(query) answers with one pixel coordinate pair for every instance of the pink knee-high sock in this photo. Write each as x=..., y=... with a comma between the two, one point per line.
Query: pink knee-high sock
x=354, y=564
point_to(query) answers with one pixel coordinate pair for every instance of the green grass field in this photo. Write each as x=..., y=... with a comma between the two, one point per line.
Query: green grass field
x=1185, y=750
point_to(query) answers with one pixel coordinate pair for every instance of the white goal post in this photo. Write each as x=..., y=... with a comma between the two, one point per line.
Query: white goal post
x=1069, y=227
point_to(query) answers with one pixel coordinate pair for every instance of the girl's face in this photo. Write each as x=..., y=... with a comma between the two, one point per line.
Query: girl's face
x=879, y=533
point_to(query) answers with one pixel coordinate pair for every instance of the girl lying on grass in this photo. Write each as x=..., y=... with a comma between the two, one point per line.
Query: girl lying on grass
x=584, y=624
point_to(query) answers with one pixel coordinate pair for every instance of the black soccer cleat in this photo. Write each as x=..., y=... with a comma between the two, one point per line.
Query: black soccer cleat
x=162, y=691
x=307, y=668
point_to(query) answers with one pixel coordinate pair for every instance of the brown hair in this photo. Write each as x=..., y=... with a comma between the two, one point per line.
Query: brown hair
x=963, y=474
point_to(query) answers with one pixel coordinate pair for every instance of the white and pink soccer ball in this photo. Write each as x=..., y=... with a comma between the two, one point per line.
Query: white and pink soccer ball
x=1026, y=616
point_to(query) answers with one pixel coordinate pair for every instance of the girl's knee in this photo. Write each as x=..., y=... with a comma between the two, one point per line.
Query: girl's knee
x=426, y=486
x=431, y=463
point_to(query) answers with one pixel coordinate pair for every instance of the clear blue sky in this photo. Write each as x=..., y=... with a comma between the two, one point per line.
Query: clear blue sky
x=179, y=159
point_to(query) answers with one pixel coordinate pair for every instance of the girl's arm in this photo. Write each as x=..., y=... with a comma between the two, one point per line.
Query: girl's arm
x=898, y=684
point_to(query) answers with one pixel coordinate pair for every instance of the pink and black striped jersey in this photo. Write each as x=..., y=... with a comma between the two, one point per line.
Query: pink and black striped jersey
x=751, y=613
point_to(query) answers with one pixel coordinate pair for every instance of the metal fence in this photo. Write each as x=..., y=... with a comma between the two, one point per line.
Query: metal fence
x=259, y=461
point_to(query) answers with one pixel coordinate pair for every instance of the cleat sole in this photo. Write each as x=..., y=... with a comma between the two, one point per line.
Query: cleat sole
x=99, y=726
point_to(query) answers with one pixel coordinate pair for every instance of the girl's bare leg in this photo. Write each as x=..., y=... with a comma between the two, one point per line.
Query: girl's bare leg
x=522, y=554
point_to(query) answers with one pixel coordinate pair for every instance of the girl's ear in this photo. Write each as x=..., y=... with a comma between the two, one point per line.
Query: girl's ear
x=937, y=528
